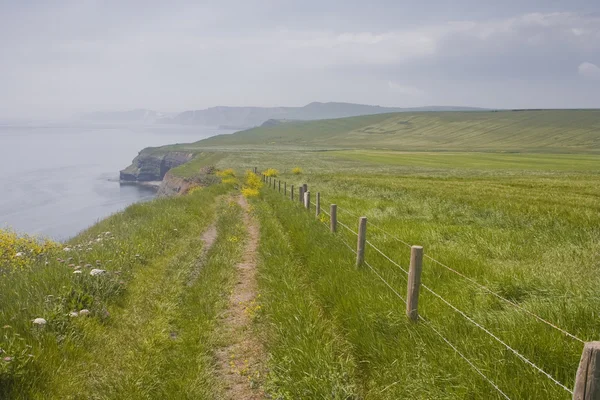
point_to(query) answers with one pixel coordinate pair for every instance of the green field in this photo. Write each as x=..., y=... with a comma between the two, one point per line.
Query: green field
x=510, y=200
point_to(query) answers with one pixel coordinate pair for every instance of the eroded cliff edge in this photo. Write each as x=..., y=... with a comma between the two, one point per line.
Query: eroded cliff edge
x=150, y=165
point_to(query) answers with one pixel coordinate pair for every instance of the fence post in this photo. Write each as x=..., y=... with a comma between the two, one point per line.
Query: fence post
x=333, y=219
x=279, y=187
x=274, y=183
x=318, y=203
x=414, y=282
x=305, y=186
x=292, y=192
x=587, y=380
x=362, y=238
x=285, y=187
x=301, y=193
x=307, y=200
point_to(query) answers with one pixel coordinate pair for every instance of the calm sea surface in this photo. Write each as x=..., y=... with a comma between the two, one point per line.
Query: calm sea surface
x=56, y=180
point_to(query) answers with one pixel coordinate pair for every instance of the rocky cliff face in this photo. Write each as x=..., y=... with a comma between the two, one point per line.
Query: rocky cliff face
x=148, y=166
x=172, y=185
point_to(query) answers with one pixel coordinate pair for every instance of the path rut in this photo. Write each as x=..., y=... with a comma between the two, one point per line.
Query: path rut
x=240, y=361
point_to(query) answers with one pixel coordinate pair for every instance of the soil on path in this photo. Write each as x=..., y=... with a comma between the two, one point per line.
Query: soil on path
x=240, y=361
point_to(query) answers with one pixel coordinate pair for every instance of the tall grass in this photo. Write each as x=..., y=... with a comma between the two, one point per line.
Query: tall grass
x=531, y=238
x=126, y=246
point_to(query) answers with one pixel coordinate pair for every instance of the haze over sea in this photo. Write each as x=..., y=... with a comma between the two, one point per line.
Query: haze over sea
x=58, y=179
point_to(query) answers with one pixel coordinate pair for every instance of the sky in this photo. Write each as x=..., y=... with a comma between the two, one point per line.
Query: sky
x=62, y=57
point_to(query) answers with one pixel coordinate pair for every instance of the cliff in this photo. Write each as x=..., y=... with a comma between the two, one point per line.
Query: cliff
x=173, y=185
x=152, y=166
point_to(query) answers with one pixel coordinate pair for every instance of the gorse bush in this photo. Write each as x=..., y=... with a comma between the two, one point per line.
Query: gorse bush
x=271, y=172
x=296, y=170
x=226, y=173
x=18, y=251
x=252, y=185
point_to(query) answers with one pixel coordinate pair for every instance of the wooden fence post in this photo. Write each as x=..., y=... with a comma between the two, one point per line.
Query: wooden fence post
x=274, y=183
x=307, y=200
x=333, y=219
x=301, y=193
x=285, y=187
x=292, y=192
x=362, y=238
x=279, y=187
x=414, y=282
x=305, y=188
x=587, y=380
x=255, y=169
x=318, y=203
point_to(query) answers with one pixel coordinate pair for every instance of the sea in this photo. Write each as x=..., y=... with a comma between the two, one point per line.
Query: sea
x=57, y=179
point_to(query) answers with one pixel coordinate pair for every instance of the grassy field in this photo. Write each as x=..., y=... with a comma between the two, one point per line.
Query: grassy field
x=545, y=131
x=521, y=216
x=526, y=226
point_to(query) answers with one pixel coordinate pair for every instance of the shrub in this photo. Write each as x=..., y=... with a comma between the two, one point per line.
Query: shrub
x=271, y=172
x=193, y=189
x=296, y=171
x=18, y=251
x=229, y=180
x=249, y=192
x=226, y=173
x=252, y=181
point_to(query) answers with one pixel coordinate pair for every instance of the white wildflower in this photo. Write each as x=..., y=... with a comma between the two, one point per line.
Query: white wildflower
x=84, y=312
x=73, y=314
x=96, y=271
x=39, y=321
x=77, y=271
x=67, y=249
x=19, y=254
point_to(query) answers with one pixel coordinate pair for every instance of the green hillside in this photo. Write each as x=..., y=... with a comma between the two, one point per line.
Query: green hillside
x=554, y=131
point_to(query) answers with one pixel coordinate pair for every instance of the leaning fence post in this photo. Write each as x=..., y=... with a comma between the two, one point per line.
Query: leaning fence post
x=292, y=192
x=414, y=282
x=307, y=200
x=333, y=218
x=362, y=238
x=587, y=380
x=318, y=204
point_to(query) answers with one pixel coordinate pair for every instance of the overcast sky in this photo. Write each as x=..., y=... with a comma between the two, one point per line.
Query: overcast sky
x=65, y=56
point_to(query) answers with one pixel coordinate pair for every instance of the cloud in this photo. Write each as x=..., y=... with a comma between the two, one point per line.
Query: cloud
x=589, y=70
x=405, y=89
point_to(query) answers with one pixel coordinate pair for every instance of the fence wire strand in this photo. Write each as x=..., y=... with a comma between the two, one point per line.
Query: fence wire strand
x=429, y=324
x=515, y=352
x=463, y=314
x=474, y=282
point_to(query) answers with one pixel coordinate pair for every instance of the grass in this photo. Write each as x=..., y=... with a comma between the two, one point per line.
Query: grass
x=509, y=199
x=146, y=242
x=544, y=131
x=530, y=232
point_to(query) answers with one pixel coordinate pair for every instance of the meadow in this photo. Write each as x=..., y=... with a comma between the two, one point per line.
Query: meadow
x=517, y=225
x=529, y=232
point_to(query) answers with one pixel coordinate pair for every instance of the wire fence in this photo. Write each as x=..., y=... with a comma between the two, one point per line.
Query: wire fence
x=448, y=303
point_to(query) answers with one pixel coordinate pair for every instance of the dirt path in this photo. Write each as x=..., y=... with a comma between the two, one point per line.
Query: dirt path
x=240, y=361
x=208, y=239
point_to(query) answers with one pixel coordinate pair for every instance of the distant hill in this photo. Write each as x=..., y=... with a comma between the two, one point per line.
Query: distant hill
x=548, y=131
x=248, y=117
x=129, y=116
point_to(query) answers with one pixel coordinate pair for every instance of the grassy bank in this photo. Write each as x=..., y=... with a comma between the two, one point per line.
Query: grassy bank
x=133, y=249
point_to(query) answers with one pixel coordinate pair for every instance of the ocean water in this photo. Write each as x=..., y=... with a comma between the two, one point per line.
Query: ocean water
x=58, y=179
